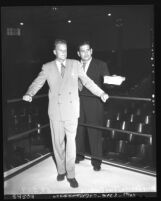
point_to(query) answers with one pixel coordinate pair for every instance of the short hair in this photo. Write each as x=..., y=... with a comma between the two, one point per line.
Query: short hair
x=59, y=41
x=84, y=43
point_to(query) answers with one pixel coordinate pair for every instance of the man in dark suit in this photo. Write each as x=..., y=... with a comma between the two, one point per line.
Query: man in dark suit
x=91, y=108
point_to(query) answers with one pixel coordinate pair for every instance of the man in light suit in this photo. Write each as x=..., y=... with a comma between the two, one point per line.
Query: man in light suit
x=62, y=76
x=91, y=107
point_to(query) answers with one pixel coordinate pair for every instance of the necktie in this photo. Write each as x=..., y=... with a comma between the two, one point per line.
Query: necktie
x=83, y=66
x=62, y=70
x=80, y=85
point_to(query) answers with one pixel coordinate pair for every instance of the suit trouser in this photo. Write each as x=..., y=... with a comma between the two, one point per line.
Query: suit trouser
x=91, y=112
x=65, y=154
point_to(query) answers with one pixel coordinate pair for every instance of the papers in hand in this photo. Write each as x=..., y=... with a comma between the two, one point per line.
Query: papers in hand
x=114, y=79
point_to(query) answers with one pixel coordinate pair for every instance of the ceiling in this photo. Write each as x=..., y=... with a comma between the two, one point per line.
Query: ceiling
x=50, y=14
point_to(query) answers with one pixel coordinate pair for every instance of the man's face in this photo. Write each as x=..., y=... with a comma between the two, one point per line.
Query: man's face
x=61, y=51
x=85, y=52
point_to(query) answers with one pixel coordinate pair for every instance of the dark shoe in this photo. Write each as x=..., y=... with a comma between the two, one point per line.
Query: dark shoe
x=96, y=168
x=61, y=177
x=96, y=162
x=79, y=158
x=73, y=182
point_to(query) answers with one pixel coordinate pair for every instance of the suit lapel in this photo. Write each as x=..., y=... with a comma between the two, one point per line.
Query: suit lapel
x=56, y=70
x=91, y=67
x=66, y=69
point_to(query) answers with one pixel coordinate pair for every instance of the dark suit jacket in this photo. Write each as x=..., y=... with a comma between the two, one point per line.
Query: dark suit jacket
x=96, y=71
x=92, y=109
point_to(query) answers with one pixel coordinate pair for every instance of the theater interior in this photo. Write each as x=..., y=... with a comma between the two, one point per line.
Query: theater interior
x=123, y=37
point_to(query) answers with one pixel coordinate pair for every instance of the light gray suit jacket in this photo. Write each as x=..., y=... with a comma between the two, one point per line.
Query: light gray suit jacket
x=63, y=92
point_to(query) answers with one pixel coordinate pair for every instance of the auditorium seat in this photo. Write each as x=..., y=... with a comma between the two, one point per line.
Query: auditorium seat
x=131, y=148
x=23, y=119
x=125, y=110
x=108, y=123
x=122, y=135
x=125, y=145
x=143, y=155
x=134, y=118
x=147, y=129
x=121, y=147
x=142, y=150
x=36, y=115
x=111, y=124
x=16, y=123
x=29, y=121
x=138, y=112
x=118, y=138
x=11, y=122
x=147, y=119
x=133, y=139
x=147, y=108
x=118, y=117
x=139, y=127
x=116, y=124
x=110, y=139
x=133, y=106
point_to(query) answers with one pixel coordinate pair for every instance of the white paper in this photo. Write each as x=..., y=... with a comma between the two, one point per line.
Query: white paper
x=114, y=79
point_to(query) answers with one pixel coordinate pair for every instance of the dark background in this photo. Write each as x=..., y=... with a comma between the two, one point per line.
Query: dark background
x=123, y=40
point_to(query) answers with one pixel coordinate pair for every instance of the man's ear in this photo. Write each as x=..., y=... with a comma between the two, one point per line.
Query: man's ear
x=78, y=53
x=91, y=51
x=54, y=52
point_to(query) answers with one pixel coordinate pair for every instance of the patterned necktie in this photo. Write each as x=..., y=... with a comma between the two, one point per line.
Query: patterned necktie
x=80, y=85
x=62, y=70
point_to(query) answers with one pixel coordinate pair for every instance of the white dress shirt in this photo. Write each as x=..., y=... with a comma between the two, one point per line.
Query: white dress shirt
x=86, y=65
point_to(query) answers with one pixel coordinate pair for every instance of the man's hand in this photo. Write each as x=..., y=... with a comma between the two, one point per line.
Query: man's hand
x=104, y=97
x=27, y=98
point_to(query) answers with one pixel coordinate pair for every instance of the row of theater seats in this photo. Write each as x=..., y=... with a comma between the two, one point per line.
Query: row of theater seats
x=22, y=120
x=131, y=123
x=128, y=145
x=135, y=107
x=22, y=150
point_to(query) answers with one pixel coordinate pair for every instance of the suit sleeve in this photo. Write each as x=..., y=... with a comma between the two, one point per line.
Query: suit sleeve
x=88, y=83
x=38, y=83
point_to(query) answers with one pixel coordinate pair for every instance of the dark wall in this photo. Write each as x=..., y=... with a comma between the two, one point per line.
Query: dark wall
x=24, y=55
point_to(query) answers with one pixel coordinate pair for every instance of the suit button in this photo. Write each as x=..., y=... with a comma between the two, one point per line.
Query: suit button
x=58, y=102
x=70, y=101
x=70, y=92
x=59, y=94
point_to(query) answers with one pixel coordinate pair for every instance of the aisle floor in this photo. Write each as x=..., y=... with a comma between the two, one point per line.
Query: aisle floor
x=41, y=179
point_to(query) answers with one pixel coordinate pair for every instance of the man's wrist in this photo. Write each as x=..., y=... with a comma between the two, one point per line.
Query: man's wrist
x=102, y=94
x=28, y=95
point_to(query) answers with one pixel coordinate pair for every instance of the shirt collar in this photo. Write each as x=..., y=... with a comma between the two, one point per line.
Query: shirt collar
x=59, y=63
x=87, y=63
